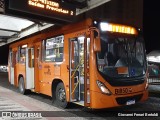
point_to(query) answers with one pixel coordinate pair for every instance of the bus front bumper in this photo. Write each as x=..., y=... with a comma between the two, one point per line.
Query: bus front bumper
x=100, y=101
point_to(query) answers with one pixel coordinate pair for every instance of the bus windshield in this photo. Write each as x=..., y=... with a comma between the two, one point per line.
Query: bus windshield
x=121, y=56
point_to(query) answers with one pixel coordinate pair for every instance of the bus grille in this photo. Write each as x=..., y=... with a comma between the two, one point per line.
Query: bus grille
x=123, y=100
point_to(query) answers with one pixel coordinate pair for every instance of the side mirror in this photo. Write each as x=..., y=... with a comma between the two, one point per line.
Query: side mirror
x=97, y=44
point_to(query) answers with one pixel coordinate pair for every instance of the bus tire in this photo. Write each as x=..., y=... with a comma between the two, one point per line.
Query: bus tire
x=21, y=85
x=60, y=97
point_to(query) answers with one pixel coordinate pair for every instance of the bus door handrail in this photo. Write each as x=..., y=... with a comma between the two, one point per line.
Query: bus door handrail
x=74, y=74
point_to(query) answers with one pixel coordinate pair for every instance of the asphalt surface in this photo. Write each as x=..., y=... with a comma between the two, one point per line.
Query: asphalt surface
x=12, y=100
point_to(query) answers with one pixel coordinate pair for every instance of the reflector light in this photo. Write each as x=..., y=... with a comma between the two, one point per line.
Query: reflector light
x=24, y=46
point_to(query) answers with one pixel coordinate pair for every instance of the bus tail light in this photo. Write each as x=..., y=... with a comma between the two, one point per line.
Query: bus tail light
x=103, y=88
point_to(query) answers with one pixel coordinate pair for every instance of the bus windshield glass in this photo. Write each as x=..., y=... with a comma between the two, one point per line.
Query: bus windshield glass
x=121, y=56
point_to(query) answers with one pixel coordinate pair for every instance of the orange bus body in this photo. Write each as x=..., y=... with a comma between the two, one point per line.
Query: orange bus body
x=45, y=71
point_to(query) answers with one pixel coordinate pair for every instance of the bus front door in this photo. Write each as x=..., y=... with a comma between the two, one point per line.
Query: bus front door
x=29, y=68
x=77, y=76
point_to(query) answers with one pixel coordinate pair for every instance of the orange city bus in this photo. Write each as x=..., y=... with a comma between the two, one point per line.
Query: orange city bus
x=92, y=63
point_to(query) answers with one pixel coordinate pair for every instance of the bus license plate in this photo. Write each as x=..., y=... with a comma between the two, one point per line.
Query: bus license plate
x=130, y=102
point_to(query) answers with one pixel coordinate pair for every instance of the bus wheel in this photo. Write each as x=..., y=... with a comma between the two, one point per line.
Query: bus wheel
x=21, y=86
x=61, y=96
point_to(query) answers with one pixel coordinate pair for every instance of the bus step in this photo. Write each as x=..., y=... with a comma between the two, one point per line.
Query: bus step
x=80, y=103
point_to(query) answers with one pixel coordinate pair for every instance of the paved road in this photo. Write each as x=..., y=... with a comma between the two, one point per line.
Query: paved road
x=11, y=100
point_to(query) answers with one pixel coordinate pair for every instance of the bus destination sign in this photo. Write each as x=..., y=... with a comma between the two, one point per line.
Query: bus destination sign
x=43, y=9
x=50, y=5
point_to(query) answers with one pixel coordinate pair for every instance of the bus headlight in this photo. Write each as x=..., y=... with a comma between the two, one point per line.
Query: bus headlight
x=103, y=88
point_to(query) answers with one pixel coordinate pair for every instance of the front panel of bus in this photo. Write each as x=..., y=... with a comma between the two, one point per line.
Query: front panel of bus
x=120, y=67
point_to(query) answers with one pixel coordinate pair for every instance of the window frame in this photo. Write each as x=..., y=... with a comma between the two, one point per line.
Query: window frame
x=19, y=55
x=44, y=47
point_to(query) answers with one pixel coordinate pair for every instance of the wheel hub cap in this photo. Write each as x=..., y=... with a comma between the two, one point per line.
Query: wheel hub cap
x=61, y=95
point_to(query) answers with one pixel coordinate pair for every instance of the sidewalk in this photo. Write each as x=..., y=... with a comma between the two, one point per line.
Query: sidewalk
x=11, y=100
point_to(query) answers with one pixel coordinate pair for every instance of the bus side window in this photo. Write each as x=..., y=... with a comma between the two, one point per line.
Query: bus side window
x=31, y=57
x=22, y=55
x=53, y=49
